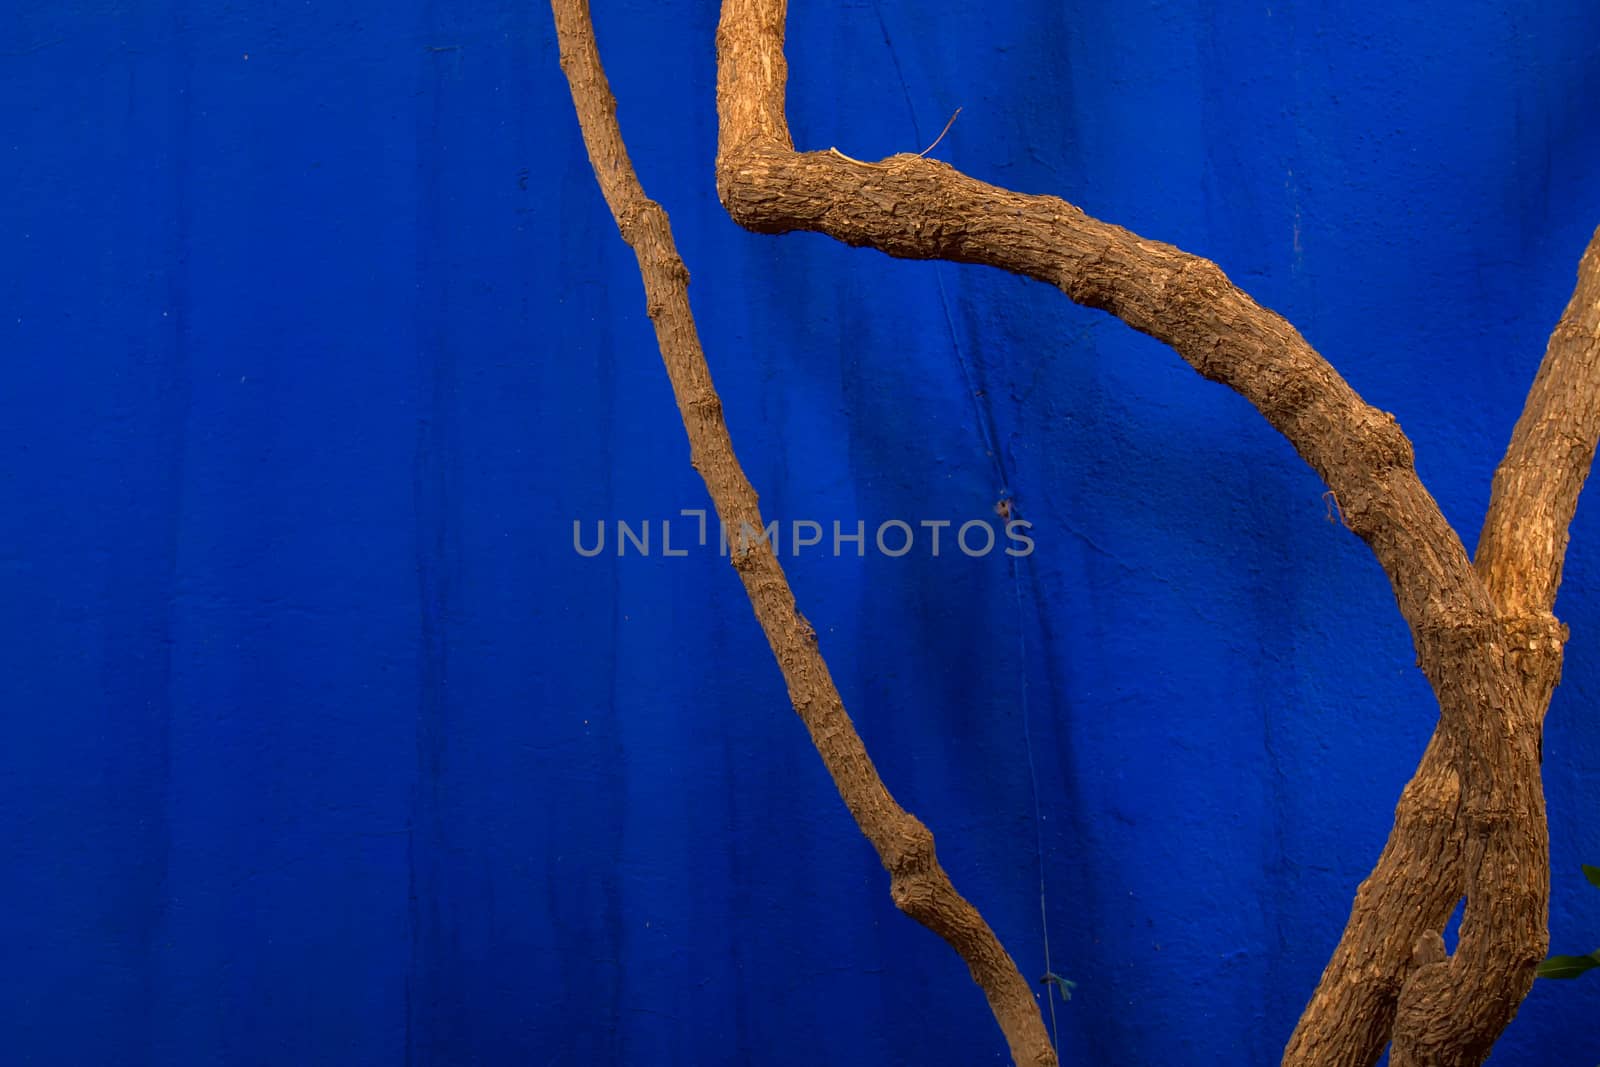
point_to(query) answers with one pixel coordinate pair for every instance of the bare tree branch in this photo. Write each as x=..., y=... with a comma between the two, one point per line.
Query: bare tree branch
x=918, y=208
x=1536, y=486
x=1519, y=558
x=1473, y=819
x=919, y=885
x=1411, y=892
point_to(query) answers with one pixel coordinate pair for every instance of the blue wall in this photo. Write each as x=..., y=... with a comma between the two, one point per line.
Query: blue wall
x=321, y=744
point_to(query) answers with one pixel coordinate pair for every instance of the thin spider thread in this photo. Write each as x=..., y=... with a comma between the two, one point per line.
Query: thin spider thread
x=1038, y=813
x=986, y=428
x=992, y=444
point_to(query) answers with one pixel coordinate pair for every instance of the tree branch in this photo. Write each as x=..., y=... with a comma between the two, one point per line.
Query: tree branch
x=1473, y=821
x=1535, y=492
x=1411, y=892
x=918, y=884
x=917, y=208
x=1520, y=554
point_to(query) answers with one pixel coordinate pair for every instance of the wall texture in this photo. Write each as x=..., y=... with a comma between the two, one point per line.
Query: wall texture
x=322, y=745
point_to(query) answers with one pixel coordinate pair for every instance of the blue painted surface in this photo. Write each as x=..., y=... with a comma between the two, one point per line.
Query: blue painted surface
x=321, y=745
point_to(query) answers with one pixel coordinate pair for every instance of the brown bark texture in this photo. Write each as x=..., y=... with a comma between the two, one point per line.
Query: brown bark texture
x=919, y=886
x=1471, y=823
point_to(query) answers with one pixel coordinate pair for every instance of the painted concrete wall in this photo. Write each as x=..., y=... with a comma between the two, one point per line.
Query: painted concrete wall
x=322, y=745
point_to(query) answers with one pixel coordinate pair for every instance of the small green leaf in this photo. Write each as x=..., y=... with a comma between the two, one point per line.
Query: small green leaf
x=1567, y=966
x=1593, y=874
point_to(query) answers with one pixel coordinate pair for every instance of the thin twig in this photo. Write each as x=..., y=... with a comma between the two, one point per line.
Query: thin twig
x=942, y=132
x=1331, y=499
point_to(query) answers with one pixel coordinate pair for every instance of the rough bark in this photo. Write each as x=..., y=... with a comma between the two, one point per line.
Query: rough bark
x=919, y=886
x=1536, y=487
x=1472, y=820
x=1417, y=880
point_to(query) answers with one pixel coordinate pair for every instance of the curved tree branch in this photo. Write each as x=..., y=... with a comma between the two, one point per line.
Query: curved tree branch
x=1520, y=554
x=918, y=884
x=917, y=208
x=1473, y=820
